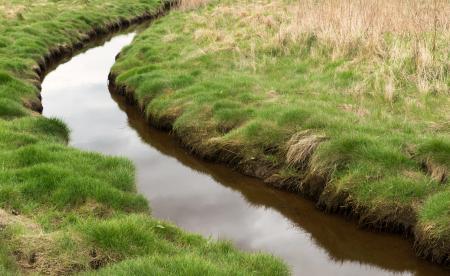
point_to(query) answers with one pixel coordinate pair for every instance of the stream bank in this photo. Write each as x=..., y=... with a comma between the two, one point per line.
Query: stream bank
x=211, y=199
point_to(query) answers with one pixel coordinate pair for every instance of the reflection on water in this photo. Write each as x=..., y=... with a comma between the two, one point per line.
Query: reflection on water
x=211, y=199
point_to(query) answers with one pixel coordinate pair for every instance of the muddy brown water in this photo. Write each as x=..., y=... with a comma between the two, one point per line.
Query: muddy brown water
x=211, y=199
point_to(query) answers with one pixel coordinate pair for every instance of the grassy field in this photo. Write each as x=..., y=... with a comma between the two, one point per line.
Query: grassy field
x=66, y=211
x=344, y=101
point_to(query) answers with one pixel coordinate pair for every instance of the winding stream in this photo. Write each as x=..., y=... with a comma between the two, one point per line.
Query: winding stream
x=211, y=199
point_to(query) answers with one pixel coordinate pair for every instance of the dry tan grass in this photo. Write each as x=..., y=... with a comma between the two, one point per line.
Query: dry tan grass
x=17, y=9
x=437, y=172
x=39, y=252
x=301, y=146
x=346, y=22
x=419, y=32
x=10, y=11
x=191, y=4
x=7, y=219
x=388, y=35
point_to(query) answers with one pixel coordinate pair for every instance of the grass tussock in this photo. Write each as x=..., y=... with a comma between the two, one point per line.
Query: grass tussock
x=350, y=97
x=64, y=211
x=301, y=146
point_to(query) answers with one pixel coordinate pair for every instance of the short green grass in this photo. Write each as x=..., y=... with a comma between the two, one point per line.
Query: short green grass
x=228, y=84
x=66, y=211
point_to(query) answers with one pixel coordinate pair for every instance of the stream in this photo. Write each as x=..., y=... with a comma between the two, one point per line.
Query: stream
x=211, y=199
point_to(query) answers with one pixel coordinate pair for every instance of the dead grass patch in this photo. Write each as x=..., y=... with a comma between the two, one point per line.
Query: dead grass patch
x=359, y=111
x=387, y=35
x=438, y=172
x=7, y=219
x=95, y=208
x=301, y=146
x=11, y=11
x=191, y=4
x=45, y=253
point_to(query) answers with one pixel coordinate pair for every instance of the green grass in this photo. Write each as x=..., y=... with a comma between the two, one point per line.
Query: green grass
x=226, y=87
x=66, y=211
x=167, y=250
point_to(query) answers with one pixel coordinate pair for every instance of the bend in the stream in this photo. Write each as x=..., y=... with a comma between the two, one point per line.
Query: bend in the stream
x=209, y=198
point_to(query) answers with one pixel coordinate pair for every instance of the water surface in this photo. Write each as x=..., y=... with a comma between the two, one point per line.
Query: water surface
x=211, y=199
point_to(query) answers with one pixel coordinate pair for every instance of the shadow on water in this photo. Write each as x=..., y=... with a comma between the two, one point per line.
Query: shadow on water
x=208, y=198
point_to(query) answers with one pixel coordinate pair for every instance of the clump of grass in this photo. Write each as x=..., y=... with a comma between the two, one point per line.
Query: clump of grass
x=156, y=244
x=301, y=146
x=264, y=82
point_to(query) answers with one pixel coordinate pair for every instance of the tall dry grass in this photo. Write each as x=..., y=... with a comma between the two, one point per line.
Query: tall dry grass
x=400, y=41
x=344, y=22
x=397, y=35
x=186, y=5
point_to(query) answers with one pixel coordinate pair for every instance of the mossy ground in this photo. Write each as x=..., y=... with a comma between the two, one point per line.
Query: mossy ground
x=234, y=87
x=63, y=210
